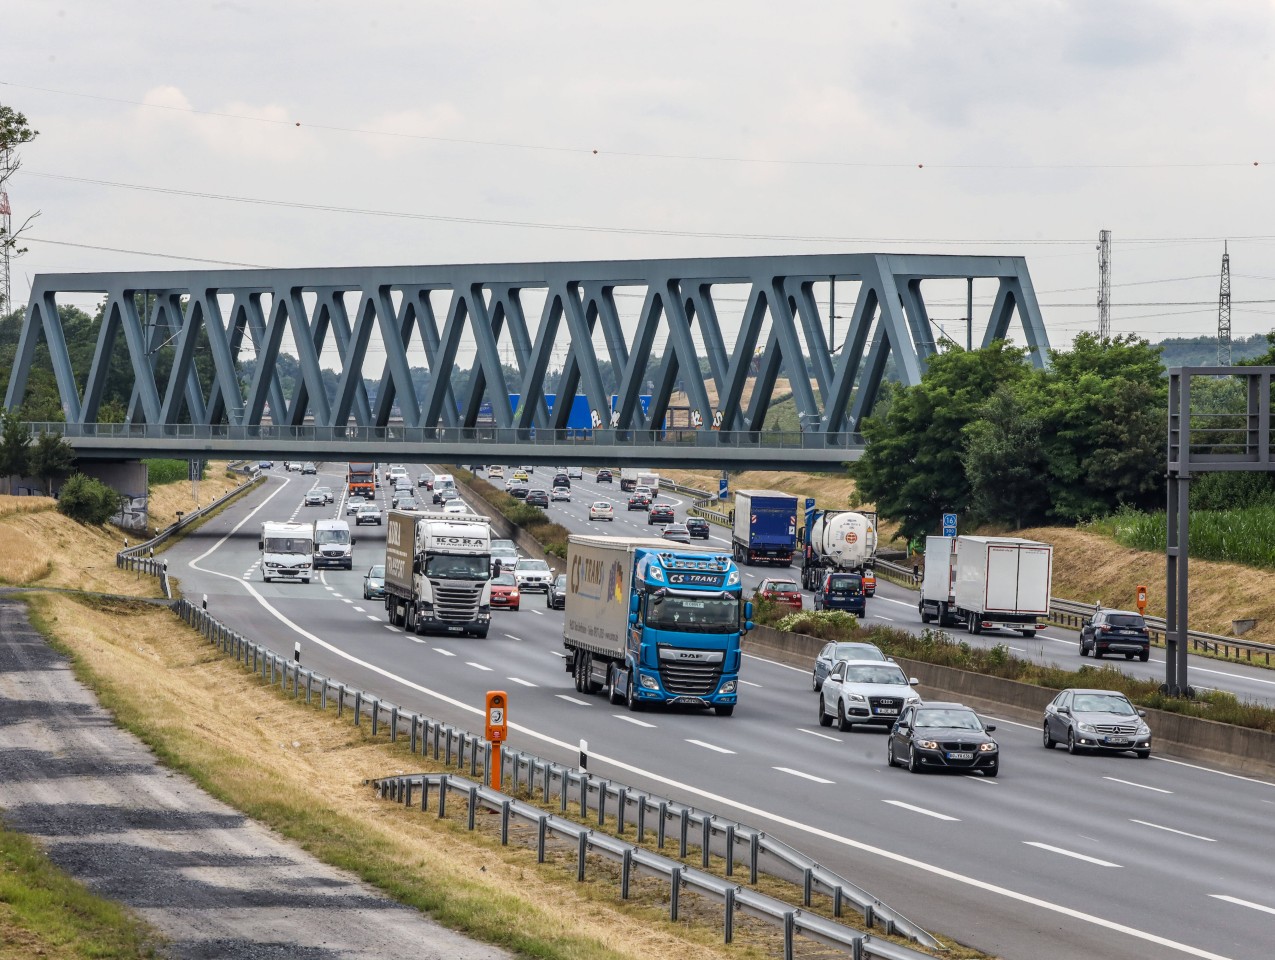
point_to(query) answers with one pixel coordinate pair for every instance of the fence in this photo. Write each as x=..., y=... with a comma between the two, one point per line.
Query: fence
x=470, y=754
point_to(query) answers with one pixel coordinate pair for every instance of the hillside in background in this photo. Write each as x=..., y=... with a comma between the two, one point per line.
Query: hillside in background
x=1202, y=351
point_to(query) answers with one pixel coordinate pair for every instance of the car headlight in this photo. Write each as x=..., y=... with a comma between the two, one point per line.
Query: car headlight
x=513, y=594
x=927, y=744
x=913, y=700
x=727, y=687
x=986, y=747
x=649, y=682
x=1085, y=728
x=1144, y=730
x=856, y=697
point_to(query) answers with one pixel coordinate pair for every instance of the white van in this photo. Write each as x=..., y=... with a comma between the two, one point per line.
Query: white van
x=333, y=545
x=287, y=551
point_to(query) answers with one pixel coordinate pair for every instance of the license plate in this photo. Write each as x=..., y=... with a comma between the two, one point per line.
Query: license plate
x=960, y=756
x=887, y=710
x=1120, y=741
x=455, y=629
x=692, y=701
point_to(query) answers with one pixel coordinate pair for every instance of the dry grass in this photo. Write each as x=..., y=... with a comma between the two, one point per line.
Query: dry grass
x=166, y=500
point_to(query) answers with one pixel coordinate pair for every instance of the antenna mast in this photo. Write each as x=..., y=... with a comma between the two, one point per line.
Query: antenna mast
x=1224, y=311
x=1104, y=284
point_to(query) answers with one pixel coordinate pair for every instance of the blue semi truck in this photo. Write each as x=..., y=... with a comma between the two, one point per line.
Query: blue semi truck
x=654, y=622
x=765, y=527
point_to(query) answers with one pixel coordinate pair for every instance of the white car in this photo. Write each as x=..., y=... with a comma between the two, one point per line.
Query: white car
x=368, y=513
x=601, y=510
x=865, y=691
x=533, y=575
x=560, y=493
x=455, y=506
x=495, y=472
x=506, y=556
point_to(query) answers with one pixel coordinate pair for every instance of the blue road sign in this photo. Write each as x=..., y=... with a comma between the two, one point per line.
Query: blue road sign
x=722, y=485
x=949, y=524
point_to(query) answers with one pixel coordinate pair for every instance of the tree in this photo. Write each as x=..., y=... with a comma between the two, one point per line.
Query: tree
x=14, y=131
x=1005, y=463
x=15, y=447
x=88, y=500
x=51, y=457
x=912, y=467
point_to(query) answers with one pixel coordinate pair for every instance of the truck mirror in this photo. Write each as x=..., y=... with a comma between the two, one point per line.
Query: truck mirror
x=748, y=611
x=495, y=567
x=416, y=565
x=261, y=544
x=633, y=603
x=354, y=541
x=748, y=625
x=633, y=618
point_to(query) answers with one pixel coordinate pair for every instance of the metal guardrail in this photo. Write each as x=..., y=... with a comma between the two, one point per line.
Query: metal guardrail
x=455, y=747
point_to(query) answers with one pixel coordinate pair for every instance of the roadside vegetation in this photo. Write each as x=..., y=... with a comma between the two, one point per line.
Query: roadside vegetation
x=551, y=536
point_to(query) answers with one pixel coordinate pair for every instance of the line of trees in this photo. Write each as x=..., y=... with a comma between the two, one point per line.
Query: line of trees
x=46, y=457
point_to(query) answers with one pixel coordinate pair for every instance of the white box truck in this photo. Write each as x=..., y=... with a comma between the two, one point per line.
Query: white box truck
x=438, y=572
x=287, y=551
x=987, y=583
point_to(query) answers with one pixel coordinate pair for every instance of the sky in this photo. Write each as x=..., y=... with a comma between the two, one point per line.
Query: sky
x=175, y=136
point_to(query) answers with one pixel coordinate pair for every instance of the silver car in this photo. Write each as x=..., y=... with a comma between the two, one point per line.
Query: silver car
x=533, y=574
x=865, y=691
x=1097, y=720
x=834, y=651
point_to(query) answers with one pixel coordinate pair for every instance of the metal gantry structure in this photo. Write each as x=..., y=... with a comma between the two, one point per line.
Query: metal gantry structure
x=1224, y=310
x=721, y=331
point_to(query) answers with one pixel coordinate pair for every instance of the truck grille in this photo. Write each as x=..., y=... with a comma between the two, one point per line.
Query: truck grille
x=689, y=678
x=456, y=602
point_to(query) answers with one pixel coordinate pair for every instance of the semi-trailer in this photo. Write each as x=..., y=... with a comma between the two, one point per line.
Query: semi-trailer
x=765, y=527
x=987, y=583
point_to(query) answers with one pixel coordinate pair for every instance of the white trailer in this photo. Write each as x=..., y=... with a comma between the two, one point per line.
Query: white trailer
x=987, y=583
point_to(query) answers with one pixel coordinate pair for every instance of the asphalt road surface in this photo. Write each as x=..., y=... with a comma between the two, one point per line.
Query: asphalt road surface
x=1061, y=857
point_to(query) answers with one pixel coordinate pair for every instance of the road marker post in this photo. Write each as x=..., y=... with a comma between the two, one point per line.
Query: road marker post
x=497, y=729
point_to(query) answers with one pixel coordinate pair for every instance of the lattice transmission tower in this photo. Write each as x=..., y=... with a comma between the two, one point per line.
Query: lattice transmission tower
x=6, y=230
x=1224, y=311
x=1104, y=284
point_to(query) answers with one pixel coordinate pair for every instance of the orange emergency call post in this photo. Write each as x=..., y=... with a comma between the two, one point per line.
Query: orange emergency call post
x=1142, y=599
x=497, y=730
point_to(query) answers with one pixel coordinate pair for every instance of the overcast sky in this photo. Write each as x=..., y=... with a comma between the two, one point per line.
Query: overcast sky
x=674, y=129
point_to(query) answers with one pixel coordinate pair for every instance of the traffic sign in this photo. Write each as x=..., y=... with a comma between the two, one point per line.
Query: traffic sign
x=722, y=488
x=949, y=524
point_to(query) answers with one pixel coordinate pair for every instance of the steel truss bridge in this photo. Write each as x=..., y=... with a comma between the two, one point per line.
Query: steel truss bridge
x=386, y=320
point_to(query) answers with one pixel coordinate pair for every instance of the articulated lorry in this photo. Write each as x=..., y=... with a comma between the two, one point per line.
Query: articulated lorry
x=438, y=572
x=287, y=551
x=653, y=622
x=765, y=528
x=837, y=541
x=987, y=583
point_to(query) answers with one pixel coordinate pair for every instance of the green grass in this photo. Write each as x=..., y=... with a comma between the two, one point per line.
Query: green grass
x=1244, y=535
x=44, y=913
x=161, y=472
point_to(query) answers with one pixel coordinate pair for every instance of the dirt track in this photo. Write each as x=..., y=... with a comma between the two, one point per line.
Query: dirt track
x=215, y=883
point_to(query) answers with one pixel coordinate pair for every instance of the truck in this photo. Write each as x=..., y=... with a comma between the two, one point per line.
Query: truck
x=360, y=479
x=287, y=551
x=631, y=477
x=438, y=572
x=333, y=545
x=841, y=541
x=987, y=583
x=654, y=622
x=765, y=527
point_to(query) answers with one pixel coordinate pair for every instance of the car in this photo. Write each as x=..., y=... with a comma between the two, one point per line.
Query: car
x=374, y=583
x=495, y=472
x=402, y=497
x=1096, y=720
x=507, y=557
x=308, y=467
x=533, y=574
x=697, y=527
x=645, y=491
x=661, y=513
x=536, y=497
x=869, y=583
x=639, y=501
x=518, y=491
x=867, y=692
x=560, y=493
x=521, y=476
x=410, y=503
x=368, y=513
x=353, y=502
x=603, y=476
x=575, y=473
x=556, y=595
x=290, y=465
x=1115, y=631
x=529, y=469
x=601, y=510
x=509, y=544
x=314, y=497
x=842, y=591
x=265, y=464
x=676, y=532
x=395, y=471
x=505, y=593
x=455, y=506
x=425, y=480
x=786, y=593
x=328, y=496
x=943, y=736
x=834, y=651
x=560, y=480
x=446, y=495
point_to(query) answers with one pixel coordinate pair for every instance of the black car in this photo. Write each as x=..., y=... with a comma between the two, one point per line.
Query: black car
x=561, y=480
x=556, y=595
x=603, y=476
x=943, y=736
x=1096, y=720
x=697, y=527
x=1116, y=631
x=661, y=513
x=639, y=501
x=537, y=498
x=308, y=467
x=518, y=491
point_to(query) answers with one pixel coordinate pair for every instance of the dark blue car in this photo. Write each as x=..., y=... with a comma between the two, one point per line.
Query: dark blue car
x=842, y=591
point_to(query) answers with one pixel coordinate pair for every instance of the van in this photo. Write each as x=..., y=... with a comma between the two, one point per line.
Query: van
x=444, y=482
x=333, y=545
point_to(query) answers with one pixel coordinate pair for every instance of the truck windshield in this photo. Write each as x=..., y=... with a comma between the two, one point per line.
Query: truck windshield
x=332, y=536
x=288, y=545
x=693, y=614
x=443, y=566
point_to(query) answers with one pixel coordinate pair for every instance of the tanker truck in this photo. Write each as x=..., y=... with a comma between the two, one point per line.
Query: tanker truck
x=840, y=541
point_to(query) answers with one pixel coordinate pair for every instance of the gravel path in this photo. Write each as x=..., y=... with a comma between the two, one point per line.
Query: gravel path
x=215, y=883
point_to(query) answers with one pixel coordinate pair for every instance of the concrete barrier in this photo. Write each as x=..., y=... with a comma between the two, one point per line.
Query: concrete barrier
x=504, y=529
x=1224, y=744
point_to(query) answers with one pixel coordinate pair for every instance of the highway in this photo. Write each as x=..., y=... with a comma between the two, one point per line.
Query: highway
x=1061, y=857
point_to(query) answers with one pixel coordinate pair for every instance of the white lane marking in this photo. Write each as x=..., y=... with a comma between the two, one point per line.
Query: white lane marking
x=538, y=613
x=1017, y=649
x=879, y=617
x=709, y=746
x=915, y=809
x=374, y=617
x=359, y=609
x=414, y=639
x=1045, y=636
x=633, y=720
x=558, y=653
x=1071, y=853
x=1014, y=723
x=350, y=602
x=563, y=696
x=828, y=836
x=776, y=663
x=1220, y=773
x=1243, y=903
x=804, y=776
x=821, y=736
x=512, y=637
x=1181, y=833
x=477, y=666
x=329, y=589
x=391, y=628
x=749, y=683
x=910, y=606
x=980, y=779
x=522, y=682
x=337, y=595
x=446, y=653
x=1130, y=783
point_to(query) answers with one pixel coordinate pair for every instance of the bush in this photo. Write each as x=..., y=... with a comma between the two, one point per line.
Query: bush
x=551, y=536
x=88, y=500
x=161, y=472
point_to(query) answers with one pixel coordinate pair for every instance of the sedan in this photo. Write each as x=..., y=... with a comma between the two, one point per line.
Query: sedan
x=425, y=480
x=560, y=493
x=556, y=595
x=454, y=506
x=327, y=494
x=943, y=736
x=507, y=557
x=537, y=498
x=865, y=691
x=786, y=593
x=315, y=498
x=505, y=593
x=602, y=476
x=661, y=513
x=639, y=501
x=374, y=583
x=601, y=510
x=697, y=527
x=1101, y=720
x=368, y=513
x=677, y=532
x=518, y=491
x=308, y=467
x=409, y=503
x=834, y=651
x=353, y=503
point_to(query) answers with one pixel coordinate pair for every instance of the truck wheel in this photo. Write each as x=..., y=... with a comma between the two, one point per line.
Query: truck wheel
x=925, y=617
x=579, y=671
x=724, y=709
x=614, y=695
x=1027, y=633
x=409, y=618
x=630, y=698
x=974, y=625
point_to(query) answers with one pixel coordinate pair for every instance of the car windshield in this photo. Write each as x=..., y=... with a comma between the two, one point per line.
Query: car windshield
x=332, y=536
x=561, y=582
x=508, y=544
x=693, y=614
x=1127, y=620
x=377, y=572
x=1103, y=703
x=885, y=673
x=504, y=580
x=857, y=651
x=451, y=567
x=951, y=718
x=783, y=586
x=601, y=505
x=533, y=566
x=369, y=508
x=504, y=553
